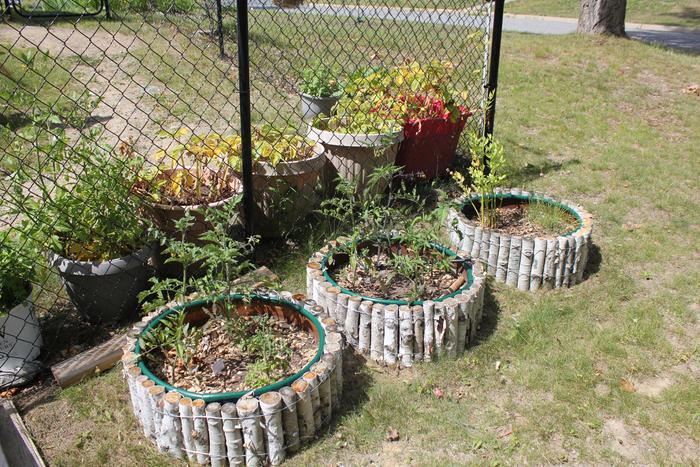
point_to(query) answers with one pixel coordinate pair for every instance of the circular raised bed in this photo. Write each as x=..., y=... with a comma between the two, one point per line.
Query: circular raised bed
x=525, y=262
x=253, y=427
x=397, y=331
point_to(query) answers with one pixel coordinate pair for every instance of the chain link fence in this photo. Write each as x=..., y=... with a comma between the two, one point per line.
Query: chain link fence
x=115, y=127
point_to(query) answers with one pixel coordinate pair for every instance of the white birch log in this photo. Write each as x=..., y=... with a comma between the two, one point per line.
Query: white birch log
x=525, y=267
x=405, y=335
x=332, y=301
x=147, y=409
x=468, y=237
x=323, y=302
x=309, y=304
x=570, y=256
x=462, y=323
x=352, y=320
x=485, y=247
x=317, y=311
x=585, y=254
x=473, y=313
x=324, y=390
x=287, y=296
x=562, y=245
x=476, y=246
x=494, y=245
x=418, y=332
x=516, y=191
x=171, y=428
x=271, y=406
x=364, y=334
x=316, y=279
x=132, y=374
x=578, y=256
x=329, y=325
x=215, y=430
x=550, y=264
x=440, y=321
x=253, y=439
x=453, y=229
x=498, y=190
x=337, y=351
x=200, y=432
x=156, y=394
x=298, y=299
x=305, y=410
x=341, y=310
x=503, y=255
x=377, y=333
x=452, y=318
x=311, y=269
x=391, y=334
x=312, y=379
x=428, y=330
x=289, y=419
x=330, y=361
x=185, y=409
x=233, y=436
x=540, y=252
x=514, y=261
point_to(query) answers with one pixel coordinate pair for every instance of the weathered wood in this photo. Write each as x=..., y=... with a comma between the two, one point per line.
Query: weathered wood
x=341, y=310
x=440, y=331
x=405, y=335
x=311, y=268
x=462, y=323
x=352, y=320
x=418, y=332
x=332, y=301
x=171, y=428
x=550, y=264
x=452, y=318
x=364, y=331
x=562, y=246
x=143, y=386
x=324, y=390
x=514, y=261
x=215, y=430
x=271, y=406
x=15, y=441
x=377, y=333
x=312, y=378
x=185, y=409
x=525, y=267
x=577, y=272
x=305, y=410
x=233, y=436
x=485, y=247
x=289, y=419
x=253, y=439
x=476, y=246
x=96, y=359
x=537, y=271
x=503, y=255
x=200, y=431
x=468, y=238
x=391, y=333
x=330, y=361
x=428, y=330
x=494, y=245
x=569, y=266
x=156, y=394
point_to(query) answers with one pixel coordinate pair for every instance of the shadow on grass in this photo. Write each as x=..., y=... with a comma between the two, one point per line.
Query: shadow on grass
x=531, y=172
x=492, y=313
x=595, y=258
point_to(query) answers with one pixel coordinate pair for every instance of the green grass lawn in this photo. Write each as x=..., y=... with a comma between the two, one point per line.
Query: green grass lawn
x=668, y=12
x=598, y=120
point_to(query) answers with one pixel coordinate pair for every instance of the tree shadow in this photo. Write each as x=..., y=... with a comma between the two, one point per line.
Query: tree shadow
x=595, y=258
x=687, y=12
x=14, y=121
x=491, y=315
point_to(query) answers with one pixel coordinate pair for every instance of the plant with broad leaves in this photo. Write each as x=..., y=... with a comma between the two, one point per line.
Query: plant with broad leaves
x=319, y=81
x=16, y=270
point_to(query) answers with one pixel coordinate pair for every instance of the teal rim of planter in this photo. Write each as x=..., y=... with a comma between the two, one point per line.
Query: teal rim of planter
x=231, y=396
x=547, y=200
x=384, y=301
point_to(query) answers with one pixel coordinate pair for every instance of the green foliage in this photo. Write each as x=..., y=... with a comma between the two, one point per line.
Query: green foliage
x=484, y=151
x=375, y=223
x=272, y=353
x=87, y=211
x=16, y=270
x=319, y=81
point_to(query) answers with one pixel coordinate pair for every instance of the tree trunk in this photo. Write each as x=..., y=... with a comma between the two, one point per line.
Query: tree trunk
x=602, y=17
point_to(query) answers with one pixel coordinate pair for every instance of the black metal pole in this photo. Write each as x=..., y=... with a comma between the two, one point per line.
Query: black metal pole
x=220, y=28
x=108, y=9
x=494, y=61
x=244, y=93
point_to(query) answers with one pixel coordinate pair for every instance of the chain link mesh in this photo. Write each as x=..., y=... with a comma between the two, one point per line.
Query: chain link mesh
x=121, y=86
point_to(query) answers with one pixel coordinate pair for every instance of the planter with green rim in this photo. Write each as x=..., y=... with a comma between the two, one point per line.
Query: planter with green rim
x=525, y=262
x=398, y=331
x=255, y=426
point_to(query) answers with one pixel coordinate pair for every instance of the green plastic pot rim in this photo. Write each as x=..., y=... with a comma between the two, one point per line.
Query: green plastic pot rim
x=230, y=396
x=386, y=301
x=544, y=199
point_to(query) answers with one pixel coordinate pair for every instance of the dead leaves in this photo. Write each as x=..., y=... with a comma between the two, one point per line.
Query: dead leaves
x=392, y=435
x=692, y=89
x=626, y=385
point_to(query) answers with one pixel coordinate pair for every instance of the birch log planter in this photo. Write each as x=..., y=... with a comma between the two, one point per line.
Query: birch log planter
x=528, y=263
x=398, y=331
x=260, y=426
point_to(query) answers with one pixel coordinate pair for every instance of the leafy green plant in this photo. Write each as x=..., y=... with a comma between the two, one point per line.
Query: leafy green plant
x=484, y=151
x=16, y=270
x=397, y=226
x=87, y=212
x=319, y=81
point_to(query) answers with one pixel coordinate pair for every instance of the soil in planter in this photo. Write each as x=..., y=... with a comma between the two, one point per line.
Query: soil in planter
x=383, y=283
x=219, y=364
x=531, y=220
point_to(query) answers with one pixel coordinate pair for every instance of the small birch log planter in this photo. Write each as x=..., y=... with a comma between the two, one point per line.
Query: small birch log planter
x=526, y=262
x=398, y=332
x=260, y=426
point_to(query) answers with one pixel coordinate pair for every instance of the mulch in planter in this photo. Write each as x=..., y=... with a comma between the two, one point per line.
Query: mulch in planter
x=219, y=365
x=513, y=219
x=397, y=288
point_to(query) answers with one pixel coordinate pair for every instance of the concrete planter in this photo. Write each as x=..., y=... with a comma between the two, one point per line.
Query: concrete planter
x=313, y=106
x=20, y=344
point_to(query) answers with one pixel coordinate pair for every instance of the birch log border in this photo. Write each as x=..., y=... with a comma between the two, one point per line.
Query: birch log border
x=263, y=429
x=526, y=262
x=393, y=332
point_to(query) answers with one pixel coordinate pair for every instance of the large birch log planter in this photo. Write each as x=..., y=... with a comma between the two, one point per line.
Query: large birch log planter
x=397, y=331
x=260, y=426
x=525, y=262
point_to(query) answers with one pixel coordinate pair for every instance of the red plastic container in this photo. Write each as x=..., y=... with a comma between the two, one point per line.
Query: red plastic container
x=429, y=145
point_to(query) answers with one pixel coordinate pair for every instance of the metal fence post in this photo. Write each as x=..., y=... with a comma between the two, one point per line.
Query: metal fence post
x=220, y=28
x=244, y=93
x=494, y=61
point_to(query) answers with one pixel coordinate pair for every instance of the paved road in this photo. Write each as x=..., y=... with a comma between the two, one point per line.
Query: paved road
x=689, y=41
